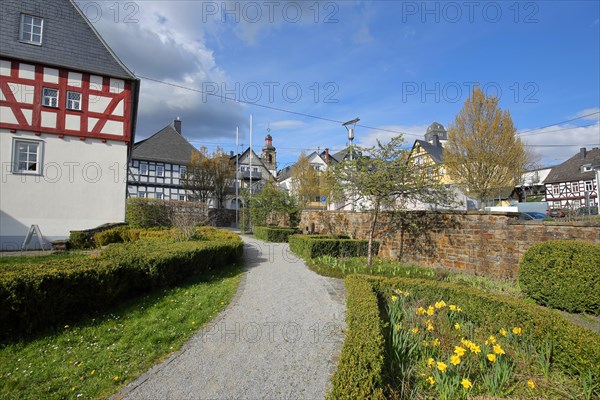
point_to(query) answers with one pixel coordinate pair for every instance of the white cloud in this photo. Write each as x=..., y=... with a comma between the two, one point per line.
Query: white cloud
x=556, y=144
x=287, y=124
x=410, y=134
x=591, y=114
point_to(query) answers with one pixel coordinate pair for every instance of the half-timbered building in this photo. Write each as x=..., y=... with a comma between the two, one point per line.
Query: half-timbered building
x=67, y=119
x=158, y=163
x=573, y=184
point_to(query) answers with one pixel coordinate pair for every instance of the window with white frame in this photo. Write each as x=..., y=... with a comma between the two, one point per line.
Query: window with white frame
x=182, y=197
x=74, y=101
x=159, y=195
x=589, y=186
x=50, y=97
x=555, y=189
x=143, y=169
x=31, y=29
x=27, y=156
x=575, y=186
x=587, y=168
x=142, y=195
x=160, y=170
x=182, y=170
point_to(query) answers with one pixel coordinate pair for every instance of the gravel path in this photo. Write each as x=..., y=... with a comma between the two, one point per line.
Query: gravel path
x=279, y=338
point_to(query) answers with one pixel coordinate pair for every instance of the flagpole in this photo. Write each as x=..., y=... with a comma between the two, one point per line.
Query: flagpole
x=237, y=201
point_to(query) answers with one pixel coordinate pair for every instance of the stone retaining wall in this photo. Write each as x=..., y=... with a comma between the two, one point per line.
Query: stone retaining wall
x=473, y=242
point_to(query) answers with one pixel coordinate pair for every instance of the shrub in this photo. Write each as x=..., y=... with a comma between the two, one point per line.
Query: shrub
x=60, y=289
x=273, y=234
x=360, y=371
x=80, y=240
x=309, y=246
x=562, y=274
x=115, y=235
x=146, y=213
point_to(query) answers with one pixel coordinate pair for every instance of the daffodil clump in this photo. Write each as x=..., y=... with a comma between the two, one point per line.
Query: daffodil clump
x=439, y=353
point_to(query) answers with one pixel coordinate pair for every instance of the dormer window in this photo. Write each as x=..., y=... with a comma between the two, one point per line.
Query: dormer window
x=31, y=29
x=587, y=168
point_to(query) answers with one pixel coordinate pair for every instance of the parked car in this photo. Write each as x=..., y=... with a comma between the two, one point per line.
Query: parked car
x=585, y=211
x=558, y=213
x=532, y=216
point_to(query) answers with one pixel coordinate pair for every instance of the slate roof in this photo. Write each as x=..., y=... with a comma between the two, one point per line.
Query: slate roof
x=570, y=170
x=166, y=145
x=284, y=174
x=434, y=151
x=68, y=39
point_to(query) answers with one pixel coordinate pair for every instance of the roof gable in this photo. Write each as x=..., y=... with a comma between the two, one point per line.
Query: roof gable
x=434, y=152
x=166, y=145
x=68, y=39
x=570, y=170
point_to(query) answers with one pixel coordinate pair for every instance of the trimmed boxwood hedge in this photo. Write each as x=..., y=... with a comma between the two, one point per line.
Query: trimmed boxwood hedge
x=562, y=274
x=273, y=234
x=576, y=349
x=360, y=371
x=313, y=246
x=38, y=295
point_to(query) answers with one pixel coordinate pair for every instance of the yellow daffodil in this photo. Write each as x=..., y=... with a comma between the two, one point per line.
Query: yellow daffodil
x=415, y=330
x=430, y=311
x=394, y=298
x=430, y=362
x=397, y=327
x=503, y=331
x=431, y=380
x=441, y=366
x=490, y=341
x=421, y=311
x=517, y=331
x=440, y=304
x=452, y=307
x=436, y=342
x=491, y=357
x=116, y=378
x=425, y=343
x=406, y=294
x=398, y=291
x=498, y=350
x=429, y=326
x=459, y=351
x=466, y=383
x=531, y=384
x=458, y=309
x=454, y=359
x=457, y=326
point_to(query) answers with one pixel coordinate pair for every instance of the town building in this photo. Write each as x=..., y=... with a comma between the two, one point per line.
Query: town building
x=574, y=183
x=68, y=110
x=158, y=163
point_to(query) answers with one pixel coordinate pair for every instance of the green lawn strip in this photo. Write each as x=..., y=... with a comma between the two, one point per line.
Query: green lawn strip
x=97, y=357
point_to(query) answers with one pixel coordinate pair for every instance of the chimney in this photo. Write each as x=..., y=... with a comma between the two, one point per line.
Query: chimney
x=436, y=141
x=231, y=154
x=583, y=152
x=327, y=156
x=177, y=125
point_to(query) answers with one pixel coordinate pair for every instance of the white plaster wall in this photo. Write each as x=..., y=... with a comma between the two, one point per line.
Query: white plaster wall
x=83, y=185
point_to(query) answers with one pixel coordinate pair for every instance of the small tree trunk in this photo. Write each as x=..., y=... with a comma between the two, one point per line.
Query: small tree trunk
x=371, y=233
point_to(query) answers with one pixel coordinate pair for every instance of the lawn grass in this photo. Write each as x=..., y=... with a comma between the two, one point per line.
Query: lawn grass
x=96, y=357
x=341, y=267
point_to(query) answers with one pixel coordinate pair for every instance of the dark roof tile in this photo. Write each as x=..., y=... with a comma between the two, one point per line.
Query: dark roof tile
x=570, y=170
x=167, y=145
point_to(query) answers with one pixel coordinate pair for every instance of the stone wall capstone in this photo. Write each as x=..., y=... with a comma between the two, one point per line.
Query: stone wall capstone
x=469, y=241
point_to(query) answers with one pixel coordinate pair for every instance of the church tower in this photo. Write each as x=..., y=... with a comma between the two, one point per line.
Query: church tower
x=269, y=154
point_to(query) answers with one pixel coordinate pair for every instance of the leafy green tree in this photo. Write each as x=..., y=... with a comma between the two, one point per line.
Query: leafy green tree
x=381, y=178
x=483, y=155
x=272, y=202
x=209, y=176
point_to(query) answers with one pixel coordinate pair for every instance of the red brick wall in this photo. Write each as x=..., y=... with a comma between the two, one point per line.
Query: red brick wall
x=472, y=242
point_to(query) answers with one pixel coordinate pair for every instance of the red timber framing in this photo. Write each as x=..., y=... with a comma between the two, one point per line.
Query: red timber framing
x=87, y=92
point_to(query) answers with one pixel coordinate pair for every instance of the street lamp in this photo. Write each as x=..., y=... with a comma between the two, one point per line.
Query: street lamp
x=351, y=140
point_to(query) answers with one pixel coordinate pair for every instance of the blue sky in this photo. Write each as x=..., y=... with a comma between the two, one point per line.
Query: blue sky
x=398, y=65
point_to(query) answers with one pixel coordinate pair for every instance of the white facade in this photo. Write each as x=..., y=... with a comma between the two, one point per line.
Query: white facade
x=80, y=185
x=156, y=180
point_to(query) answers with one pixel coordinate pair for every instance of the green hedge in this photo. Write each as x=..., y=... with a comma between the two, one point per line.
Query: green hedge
x=576, y=349
x=313, y=246
x=563, y=274
x=273, y=234
x=36, y=295
x=360, y=371
x=146, y=213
